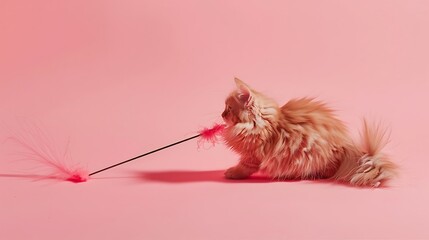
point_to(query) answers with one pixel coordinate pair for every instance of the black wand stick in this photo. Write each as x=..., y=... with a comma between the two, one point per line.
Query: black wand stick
x=145, y=154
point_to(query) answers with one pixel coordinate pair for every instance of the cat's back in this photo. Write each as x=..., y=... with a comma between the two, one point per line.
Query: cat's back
x=307, y=110
x=312, y=141
x=312, y=115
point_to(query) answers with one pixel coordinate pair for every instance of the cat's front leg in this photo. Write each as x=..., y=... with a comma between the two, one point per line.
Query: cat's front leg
x=245, y=168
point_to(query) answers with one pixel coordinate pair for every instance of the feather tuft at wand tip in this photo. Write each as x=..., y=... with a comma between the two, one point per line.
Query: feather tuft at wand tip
x=78, y=176
x=38, y=149
x=211, y=135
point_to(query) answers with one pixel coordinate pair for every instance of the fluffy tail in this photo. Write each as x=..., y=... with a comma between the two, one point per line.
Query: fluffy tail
x=365, y=164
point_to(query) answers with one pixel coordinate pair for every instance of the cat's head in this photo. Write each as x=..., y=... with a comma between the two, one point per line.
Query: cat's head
x=245, y=105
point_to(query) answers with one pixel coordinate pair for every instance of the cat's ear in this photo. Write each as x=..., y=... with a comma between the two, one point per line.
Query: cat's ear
x=244, y=92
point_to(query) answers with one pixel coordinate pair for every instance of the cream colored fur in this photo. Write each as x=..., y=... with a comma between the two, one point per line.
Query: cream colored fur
x=301, y=140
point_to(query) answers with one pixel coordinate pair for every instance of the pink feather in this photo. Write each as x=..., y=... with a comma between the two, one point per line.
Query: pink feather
x=211, y=135
x=39, y=148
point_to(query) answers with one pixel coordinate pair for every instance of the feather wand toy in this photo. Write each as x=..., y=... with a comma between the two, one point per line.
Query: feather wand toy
x=206, y=135
x=60, y=170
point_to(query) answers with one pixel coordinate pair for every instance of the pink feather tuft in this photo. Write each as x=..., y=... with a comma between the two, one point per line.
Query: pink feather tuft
x=211, y=135
x=78, y=176
x=39, y=148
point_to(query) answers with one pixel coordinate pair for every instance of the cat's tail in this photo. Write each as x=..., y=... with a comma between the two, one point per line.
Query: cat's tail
x=365, y=164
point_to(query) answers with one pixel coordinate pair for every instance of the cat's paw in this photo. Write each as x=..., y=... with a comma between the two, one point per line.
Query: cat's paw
x=237, y=172
x=372, y=172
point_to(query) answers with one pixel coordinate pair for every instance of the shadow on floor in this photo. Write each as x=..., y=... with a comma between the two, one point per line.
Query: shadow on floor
x=185, y=176
x=182, y=176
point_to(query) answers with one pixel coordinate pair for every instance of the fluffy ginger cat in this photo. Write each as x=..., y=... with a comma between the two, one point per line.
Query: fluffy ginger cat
x=300, y=140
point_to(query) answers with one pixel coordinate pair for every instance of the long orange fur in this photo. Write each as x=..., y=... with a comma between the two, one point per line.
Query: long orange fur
x=303, y=139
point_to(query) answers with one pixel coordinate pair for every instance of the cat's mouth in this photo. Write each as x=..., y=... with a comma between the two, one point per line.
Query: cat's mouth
x=227, y=122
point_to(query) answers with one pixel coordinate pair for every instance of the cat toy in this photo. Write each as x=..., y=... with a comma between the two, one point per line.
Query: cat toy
x=59, y=163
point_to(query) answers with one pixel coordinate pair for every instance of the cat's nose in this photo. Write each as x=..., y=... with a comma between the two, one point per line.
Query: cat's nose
x=224, y=114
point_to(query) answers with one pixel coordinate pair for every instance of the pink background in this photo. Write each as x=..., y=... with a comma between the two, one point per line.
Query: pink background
x=124, y=77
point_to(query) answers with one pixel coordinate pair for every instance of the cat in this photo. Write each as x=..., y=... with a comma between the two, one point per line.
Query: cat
x=301, y=140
